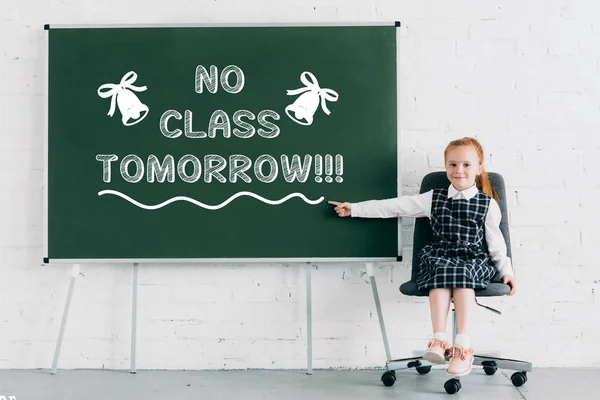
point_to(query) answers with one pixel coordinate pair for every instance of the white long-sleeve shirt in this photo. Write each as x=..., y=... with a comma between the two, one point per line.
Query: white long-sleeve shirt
x=420, y=206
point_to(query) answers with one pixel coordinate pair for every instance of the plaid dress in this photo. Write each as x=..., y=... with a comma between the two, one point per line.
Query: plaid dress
x=456, y=258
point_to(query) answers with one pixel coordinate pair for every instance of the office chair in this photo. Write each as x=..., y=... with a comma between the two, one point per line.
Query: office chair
x=423, y=235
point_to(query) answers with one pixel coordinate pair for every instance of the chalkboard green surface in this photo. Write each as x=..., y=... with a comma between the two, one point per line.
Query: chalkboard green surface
x=199, y=143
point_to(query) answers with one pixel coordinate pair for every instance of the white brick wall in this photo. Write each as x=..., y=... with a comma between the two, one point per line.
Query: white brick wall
x=521, y=76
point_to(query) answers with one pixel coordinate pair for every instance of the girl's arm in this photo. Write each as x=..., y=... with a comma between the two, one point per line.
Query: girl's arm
x=405, y=206
x=495, y=240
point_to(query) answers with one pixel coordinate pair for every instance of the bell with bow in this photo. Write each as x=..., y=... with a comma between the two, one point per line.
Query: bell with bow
x=305, y=106
x=131, y=108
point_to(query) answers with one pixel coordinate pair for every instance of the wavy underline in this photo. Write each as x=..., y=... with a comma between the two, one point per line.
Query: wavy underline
x=207, y=206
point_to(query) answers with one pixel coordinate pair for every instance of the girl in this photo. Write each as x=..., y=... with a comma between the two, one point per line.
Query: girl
x=455, y=263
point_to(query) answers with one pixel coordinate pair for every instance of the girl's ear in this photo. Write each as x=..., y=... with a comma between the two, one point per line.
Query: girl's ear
x=480, y=169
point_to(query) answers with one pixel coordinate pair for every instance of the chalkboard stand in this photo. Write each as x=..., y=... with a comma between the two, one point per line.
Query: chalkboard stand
x=308, y=266
x=75, y=272
x=378, y=306
x=308, y=320
x=61, y=333
x=63, y=323
x=134, y=315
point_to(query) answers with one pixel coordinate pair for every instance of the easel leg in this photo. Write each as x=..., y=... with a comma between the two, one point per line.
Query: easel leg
x=134, y=316
x=379, y=313
x=308, y=320
x=63, y=323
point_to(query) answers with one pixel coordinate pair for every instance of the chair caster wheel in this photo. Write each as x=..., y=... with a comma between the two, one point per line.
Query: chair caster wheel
x=519, y=378
x=424, y=370
x=388, y=378
x=490, y=370
x=489, y=367
x=452, y=386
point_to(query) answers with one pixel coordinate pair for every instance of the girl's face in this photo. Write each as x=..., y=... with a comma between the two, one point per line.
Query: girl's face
x=462, y=166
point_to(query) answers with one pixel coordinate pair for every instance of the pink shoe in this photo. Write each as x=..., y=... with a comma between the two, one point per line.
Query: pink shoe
x=436, y=351
x=461, y=360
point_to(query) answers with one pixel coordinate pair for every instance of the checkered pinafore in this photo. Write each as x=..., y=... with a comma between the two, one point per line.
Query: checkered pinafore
x=456, y=258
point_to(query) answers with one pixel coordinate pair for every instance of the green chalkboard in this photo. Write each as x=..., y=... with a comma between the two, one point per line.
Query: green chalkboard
x=219, y=142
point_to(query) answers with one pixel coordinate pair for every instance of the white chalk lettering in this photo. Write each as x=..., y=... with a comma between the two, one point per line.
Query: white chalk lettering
x=181, y=165
x=236, y=170
x=211, y=170
x=202, y=76
x=164, y=119
x=273, y=129
x=139, y=168
x=106, y=160
x=295, y=171
x=240, y=80
x=248, y=128
x=265, y=158
x=162, y=172
x=189, y=132
x=219, y=120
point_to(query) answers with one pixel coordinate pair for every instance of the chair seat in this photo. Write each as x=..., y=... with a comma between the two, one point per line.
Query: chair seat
x=494, y=289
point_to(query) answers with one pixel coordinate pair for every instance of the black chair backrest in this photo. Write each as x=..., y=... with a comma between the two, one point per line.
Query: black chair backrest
x=422, y=232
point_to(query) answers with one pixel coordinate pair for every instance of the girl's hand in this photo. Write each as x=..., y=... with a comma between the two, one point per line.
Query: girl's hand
x=509, y=280
x=342, y=209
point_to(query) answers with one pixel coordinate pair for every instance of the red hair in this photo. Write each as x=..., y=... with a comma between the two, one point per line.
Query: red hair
x=482, y=180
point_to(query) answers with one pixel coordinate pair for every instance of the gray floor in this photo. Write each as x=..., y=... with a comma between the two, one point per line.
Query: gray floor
x=289, y=385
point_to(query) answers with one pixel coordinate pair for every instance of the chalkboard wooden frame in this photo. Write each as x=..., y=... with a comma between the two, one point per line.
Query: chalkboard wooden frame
x=176, y=260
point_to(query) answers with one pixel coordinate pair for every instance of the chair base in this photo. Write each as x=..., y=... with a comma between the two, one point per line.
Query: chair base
x=484, y=360
x=489, y=361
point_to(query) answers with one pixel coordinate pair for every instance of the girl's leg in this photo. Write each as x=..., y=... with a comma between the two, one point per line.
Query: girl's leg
x=461, y=353
x=439, y=305
x=464, y=304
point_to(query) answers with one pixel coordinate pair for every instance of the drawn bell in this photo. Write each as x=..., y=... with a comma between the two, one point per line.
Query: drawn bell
x=132, y=109
x=304, y=108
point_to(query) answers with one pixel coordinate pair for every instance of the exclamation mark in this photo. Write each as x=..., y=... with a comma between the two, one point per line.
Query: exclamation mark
x=328, y=168
x=339, y=168
x=318, y=168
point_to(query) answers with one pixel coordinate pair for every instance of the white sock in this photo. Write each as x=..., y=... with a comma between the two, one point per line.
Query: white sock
x=462, y=340
x=440, y=336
